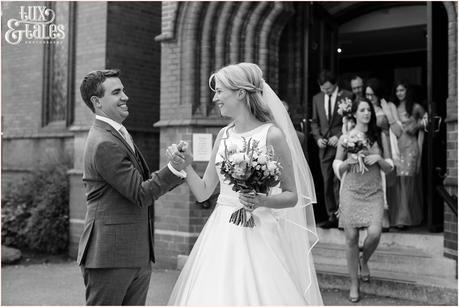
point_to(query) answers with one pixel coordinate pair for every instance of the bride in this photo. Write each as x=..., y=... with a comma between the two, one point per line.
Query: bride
x=271, y=263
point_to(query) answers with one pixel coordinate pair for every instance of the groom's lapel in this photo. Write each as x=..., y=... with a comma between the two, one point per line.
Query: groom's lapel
x=112, y=130
x=335, y=107
x=322, y=107
x=141, y=159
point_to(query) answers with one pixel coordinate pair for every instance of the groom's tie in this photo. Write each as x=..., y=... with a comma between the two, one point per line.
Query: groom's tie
x=127, y=137
x=330, y=111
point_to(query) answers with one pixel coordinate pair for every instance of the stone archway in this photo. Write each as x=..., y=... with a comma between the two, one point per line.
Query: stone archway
x=210, y=35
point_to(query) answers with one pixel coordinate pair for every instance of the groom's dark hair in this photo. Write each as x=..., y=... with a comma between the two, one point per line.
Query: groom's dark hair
x=326, y=75
x=92, y=84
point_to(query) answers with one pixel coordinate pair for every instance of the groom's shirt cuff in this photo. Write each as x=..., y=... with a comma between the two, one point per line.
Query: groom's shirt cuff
x=181, y=174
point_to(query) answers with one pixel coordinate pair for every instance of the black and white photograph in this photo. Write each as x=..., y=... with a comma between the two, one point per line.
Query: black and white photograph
x=229, y=153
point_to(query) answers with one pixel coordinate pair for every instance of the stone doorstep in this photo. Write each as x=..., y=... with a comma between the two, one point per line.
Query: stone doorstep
x=391, y=260
x=405, y=265
x=430, y=291
x=429, y=243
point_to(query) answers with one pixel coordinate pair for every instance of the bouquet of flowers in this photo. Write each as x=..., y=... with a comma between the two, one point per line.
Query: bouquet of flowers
x=249, y=170
x=344, y=107
x=356, y=145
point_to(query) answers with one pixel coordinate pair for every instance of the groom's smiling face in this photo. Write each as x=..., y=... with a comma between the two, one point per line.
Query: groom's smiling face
x=113, y=104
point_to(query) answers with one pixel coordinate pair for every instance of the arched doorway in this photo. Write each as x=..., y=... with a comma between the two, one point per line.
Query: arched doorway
x=385, y=40
x=413, y=47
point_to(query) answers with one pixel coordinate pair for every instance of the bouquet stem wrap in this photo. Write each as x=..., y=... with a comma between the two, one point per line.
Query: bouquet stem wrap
x=243, y=218
x=359, y=166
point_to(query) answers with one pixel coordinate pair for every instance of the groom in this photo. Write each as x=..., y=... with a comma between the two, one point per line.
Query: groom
x=116, y=246
x=326, y=127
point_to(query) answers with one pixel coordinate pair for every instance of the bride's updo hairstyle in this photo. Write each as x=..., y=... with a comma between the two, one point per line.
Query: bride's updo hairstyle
x=247, y=77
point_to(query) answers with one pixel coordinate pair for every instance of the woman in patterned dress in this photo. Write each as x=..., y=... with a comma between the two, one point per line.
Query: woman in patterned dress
x=409, y=131
x=361, y=194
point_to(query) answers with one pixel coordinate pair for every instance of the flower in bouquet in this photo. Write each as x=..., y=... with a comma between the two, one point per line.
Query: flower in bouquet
x=249, y=170
x=344, y=107
x=356, y=145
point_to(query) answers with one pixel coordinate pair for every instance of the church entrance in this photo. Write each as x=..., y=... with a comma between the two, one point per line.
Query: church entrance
x=383, y=40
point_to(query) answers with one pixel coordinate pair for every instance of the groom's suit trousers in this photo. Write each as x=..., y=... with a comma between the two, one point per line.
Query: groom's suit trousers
x=117, y=286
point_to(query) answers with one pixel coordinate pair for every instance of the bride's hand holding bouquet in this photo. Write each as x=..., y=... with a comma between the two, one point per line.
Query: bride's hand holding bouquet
x=252, y=173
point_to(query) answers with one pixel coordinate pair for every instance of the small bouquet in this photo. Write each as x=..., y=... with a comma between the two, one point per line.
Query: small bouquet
x=344, y=107
x=356, y=145
x=249, y=170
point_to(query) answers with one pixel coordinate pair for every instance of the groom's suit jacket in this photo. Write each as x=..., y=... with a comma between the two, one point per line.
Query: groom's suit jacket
x=321, y=127
x=118, y=229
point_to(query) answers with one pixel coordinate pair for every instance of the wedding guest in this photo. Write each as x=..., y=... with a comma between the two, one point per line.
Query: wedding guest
x=386, y=113
x=326, y=127
x=361, y=194
x=270, y=263
x=409, y=131
x=116, y=247
x=357, y=86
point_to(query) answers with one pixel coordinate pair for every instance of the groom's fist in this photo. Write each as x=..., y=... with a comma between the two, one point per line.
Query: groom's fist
x=185, y=150
x=182, y=146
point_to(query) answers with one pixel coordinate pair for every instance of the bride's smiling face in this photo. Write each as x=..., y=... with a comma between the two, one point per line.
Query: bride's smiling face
x=226, y=100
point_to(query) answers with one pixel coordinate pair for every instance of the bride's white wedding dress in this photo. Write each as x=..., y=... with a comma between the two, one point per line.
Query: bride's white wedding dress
x=235, y=265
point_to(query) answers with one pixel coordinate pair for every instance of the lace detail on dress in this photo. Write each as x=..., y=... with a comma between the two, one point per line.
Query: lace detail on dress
x=362, y=196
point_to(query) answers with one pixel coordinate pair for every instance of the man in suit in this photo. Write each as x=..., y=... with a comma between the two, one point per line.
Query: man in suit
x=357, y=86
x=326, y=127
x=116, y=246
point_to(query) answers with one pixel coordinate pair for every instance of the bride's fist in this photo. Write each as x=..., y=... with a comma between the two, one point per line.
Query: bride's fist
x=252, y=200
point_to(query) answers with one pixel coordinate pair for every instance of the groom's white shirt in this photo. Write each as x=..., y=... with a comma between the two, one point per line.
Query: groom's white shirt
x=117, y=127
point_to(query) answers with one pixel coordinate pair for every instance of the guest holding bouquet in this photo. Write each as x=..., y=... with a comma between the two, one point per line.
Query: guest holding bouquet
x=360, y=157
x=255, y=246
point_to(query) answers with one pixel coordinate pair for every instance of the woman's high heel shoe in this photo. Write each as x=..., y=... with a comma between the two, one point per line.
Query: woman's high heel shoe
x=354, y=299
x=366, y=277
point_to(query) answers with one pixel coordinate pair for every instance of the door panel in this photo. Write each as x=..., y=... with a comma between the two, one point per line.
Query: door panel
x=307, y=45
x=322, y=41
x=437, y=93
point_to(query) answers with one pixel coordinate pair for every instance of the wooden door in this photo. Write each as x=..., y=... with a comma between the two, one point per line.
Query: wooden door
x=437, y=93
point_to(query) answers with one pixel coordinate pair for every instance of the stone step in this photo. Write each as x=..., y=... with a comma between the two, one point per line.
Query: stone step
x=428, y=243
x=430, y=290
x=391, y=260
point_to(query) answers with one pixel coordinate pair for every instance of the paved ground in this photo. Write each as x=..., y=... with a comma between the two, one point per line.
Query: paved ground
x=61, y=284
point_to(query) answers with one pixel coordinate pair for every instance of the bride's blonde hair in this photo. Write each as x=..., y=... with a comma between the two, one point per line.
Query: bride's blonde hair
x=248, y=77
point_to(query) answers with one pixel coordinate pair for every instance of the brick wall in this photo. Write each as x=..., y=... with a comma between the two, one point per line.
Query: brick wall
x=450, y=219
x=131, y=29
x=178, y=218
x=25, y=143
x=22, y=74
x=90, y=51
